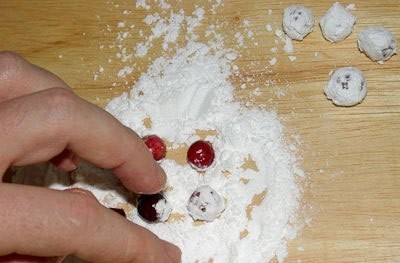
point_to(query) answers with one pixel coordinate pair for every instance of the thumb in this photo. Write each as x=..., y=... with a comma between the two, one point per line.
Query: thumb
x=49, y=223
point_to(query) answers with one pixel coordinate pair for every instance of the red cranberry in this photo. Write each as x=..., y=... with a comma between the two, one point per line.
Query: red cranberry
x=200, y=155
x=153, y=208
x=156, y=146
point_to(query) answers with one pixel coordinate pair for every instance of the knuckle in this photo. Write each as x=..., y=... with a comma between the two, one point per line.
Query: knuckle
x=82, y=213
x=61, y=104
x=10, y=65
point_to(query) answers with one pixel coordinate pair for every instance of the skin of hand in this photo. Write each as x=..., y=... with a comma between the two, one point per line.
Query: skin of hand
x=42, y=119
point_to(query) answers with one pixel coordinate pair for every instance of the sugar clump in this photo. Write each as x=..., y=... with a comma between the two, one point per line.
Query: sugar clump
x=298, y=21
x=377, y=43
x=346, y=87
x=337, y=23
x=205, y=204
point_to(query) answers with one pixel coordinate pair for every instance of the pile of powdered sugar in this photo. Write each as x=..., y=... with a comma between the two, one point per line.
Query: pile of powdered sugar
x=191, y=91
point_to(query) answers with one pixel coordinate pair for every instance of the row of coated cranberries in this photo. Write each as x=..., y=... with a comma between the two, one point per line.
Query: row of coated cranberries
x=200, y=156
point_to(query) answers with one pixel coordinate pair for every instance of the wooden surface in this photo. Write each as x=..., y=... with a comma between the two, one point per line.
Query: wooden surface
x=350, y=155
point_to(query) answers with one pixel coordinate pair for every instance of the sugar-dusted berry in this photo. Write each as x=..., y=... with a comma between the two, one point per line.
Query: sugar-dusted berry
x=156, y=146
x=200, y=155
x=154, y=208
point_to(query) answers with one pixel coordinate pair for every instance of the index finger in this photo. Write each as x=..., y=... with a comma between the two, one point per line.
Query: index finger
x=124, y=151
x=39, y=126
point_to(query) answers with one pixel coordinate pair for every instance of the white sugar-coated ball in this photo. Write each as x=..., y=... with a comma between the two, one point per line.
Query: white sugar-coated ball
x=337, y=23
x=347, y=87
x=205, y=204
x=377, y=43
x=298, y=21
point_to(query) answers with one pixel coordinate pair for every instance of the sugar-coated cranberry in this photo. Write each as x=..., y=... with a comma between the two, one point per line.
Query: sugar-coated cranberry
x=200, y=155
x=156, y=146
x=205, y=204
x=153, y=208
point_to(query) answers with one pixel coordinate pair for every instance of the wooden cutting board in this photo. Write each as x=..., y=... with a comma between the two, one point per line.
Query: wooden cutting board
x=350, y=155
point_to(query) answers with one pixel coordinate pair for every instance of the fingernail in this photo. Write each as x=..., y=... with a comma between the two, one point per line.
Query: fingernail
x=173, y=252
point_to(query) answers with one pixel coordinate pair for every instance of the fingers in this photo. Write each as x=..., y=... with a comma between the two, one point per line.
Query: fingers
x=66, y=161
x=63, y=222
x=19, y=77
x=41, y=125
x=39, y=122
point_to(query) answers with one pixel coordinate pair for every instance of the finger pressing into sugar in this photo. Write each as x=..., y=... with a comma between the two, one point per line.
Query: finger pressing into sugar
x=61, y=120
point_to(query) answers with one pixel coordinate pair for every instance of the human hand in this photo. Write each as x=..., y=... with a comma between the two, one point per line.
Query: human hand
x=41, y=120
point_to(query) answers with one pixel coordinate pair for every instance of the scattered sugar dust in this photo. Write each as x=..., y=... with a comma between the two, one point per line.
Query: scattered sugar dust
x=171, y=26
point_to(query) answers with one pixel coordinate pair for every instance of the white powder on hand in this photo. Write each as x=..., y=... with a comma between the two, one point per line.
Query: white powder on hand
x=337, y=23
x=377, y=43
x=298, y=21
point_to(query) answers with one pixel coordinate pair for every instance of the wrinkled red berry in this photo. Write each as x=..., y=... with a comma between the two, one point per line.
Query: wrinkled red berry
x=156, y=146
x=200, y=155
x=153, y=208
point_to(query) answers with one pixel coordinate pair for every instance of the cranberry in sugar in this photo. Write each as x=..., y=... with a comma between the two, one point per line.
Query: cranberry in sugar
x=205, y=204
x=156, y=146
x=153, y=208
x=200, y=155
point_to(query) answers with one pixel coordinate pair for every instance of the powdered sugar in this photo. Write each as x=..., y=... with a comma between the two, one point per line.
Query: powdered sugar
x=185, y=98
x=284, y=38
x=124, y=71
x=168, y=28
x=191, y=91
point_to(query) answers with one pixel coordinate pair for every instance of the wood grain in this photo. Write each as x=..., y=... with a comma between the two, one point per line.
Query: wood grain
x=350, y=155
